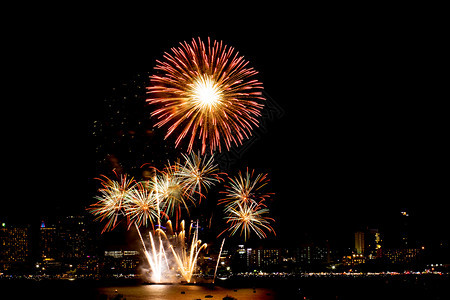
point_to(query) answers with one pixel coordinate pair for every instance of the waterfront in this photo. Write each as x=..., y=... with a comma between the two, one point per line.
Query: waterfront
x=409, y=287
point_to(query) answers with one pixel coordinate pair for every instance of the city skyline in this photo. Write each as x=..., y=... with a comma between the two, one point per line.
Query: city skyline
x=59, y=245
x=400, y=232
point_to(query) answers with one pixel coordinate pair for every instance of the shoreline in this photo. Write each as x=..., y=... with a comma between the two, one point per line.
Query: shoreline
x=249, y=281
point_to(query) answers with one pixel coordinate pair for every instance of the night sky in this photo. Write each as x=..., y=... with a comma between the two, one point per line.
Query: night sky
x=360, y=135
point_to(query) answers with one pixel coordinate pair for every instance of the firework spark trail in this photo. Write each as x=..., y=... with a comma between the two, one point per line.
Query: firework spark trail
x=218, y=260
x=146, y=253
x=206, y=93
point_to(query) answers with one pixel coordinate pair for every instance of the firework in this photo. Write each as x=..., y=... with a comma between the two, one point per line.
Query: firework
x=156, y=256
x=244, y=189
x=111, y=201
x=245, y=209
x=164, y=194
x=172, y=251
x=248, y=217
x=197, y=173
x=171, y=194
x=141, y=206
x=218, y=260
x=176, y=186
x=206, y=93
x=187, y=258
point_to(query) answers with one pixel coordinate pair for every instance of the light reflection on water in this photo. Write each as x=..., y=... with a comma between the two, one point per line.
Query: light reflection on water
x=164, y=292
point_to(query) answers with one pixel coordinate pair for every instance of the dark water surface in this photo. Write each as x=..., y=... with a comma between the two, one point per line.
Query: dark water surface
x=311, y=288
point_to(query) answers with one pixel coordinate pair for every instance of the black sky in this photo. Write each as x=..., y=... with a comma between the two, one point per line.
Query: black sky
x=362, y=136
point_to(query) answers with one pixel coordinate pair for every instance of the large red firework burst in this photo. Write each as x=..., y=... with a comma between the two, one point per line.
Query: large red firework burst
x=206, y=93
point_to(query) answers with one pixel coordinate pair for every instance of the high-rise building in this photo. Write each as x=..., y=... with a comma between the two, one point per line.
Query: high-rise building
x=373, y=244
x=48, y=241
x=263, y=259
x=359, y=242
x=240, y=262
x=402, y=256
x=404, y=230
x=310, y=254
x=15, y=246
x=73, y=237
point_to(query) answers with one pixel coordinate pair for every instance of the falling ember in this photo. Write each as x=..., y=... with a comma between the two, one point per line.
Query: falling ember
x=206, y=92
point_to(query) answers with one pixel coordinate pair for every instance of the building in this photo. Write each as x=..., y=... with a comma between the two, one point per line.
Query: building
x=311, y=254
x=15, y=247
x=353, y=260
x=402, y=255
x=263, y=259
x=240, y=260
x=121, y=261
x=405, y=241
x=373, y=244
x=359, y=242
x=368, y=244
x=73, y=238
x=48, y=242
